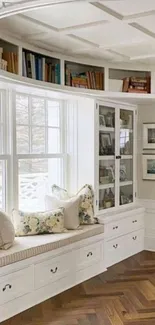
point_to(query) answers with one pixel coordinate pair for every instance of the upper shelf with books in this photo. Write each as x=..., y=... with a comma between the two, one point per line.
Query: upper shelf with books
x=8, y=57
x=40, y=67
x=100, y=79
x=84, y=76
x=130, y=81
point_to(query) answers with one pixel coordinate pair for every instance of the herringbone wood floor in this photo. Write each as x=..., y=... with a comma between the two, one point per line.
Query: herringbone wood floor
x=125, y=294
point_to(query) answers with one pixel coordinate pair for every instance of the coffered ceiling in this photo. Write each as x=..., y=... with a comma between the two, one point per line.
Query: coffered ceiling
x=114, y=30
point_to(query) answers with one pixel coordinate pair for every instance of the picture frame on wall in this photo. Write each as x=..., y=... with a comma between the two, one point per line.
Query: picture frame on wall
x=148, y=167
x=149, y=136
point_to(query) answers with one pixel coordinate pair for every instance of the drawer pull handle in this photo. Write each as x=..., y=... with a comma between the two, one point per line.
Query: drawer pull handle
x=115, y=227
x=89, y=254
x=7, y=285
x=134, y=238
x=54, y=271
x=134, y=221
x=115, y=246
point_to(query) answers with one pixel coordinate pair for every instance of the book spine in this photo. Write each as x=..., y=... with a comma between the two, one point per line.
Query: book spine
x=39, y=68
x=43, y=69
x=53, y=73
x=24, y=72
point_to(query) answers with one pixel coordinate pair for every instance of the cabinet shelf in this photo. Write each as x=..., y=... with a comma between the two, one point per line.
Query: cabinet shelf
x=126, y=183
x=106, y=129
x=104, y=186
x=106, y=157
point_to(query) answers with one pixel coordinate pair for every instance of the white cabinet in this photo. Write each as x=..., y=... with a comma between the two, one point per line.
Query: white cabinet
x=116, y=156
x=16, y=285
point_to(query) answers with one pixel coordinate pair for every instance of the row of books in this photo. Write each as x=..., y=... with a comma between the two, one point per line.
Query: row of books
x=40, y=68
x=8, y=61
x=89, y=79
x=136, y=85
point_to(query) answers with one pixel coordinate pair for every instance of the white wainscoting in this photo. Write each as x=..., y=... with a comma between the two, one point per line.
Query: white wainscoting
x=149, y=220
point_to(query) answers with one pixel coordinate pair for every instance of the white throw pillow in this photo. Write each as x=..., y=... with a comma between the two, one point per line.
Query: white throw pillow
x=71, y=209
x=86, y=209
x=7, y=232
x=35, y=223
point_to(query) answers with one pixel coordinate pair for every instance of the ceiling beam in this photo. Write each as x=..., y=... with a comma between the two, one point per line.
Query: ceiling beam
x=138, y=15
x=109, y=11
x=143, y=29
x=82, y=26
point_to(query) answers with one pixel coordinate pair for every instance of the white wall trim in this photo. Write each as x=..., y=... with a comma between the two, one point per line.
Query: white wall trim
x=149, y=221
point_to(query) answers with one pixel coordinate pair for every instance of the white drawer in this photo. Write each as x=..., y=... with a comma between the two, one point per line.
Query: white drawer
x=88, y=255
x=124, y=226
x=16, y=285
x=51, y=270
x=122, y=247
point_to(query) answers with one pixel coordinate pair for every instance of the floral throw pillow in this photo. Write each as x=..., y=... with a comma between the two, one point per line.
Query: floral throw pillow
x=86, y=211
x=35, y=223
x=86, y=208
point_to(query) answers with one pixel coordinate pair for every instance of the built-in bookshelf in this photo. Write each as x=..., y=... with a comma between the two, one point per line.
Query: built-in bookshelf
x=25, y=60
x=40, y=67
x=84, y=76
x=130, y=81
x=8, y=57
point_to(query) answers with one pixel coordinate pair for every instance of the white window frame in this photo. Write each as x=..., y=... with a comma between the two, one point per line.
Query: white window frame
x=15, y=157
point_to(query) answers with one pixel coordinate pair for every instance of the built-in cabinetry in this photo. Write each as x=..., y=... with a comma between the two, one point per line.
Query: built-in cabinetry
x=39, y=65
x=116, y=155
x=31, y=281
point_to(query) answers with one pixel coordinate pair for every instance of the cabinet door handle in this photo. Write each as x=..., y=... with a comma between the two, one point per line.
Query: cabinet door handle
x=118, y=157
x=134, y=238
x=134, y=221
x=115, y=227
x=89, y=254
x=115, y=246
x=54, y=271
x=7, y=286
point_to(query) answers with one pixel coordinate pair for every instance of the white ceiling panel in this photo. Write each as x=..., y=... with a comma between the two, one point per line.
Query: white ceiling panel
x=147, y=22
x=66, y=15
x=112, y=34
x=136, y=49
x=17, y=26
x=95, y=54
x=130, y=7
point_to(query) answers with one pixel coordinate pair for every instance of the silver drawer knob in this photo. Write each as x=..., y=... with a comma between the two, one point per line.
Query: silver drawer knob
x=54, y=271
x=89, y=254
x=9, y=286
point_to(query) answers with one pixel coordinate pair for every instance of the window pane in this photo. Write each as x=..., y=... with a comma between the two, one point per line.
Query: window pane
x=21, y=109
x=2, y=183
x=35, y=179
x=22, y=134
x=38, y=140
x=38, y=111
x=53, y=113
x=53, y=140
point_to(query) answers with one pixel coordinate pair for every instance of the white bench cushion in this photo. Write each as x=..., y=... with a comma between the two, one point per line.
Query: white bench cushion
x=26, y=247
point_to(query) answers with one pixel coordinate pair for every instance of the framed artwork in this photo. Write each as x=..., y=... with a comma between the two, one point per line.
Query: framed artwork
x=149, y=136
x=106, y=146
x=149, y=167
x=102, y=120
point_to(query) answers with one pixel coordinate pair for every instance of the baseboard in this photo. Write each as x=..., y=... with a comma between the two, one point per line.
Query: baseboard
x=149, y=244
x=149, y=221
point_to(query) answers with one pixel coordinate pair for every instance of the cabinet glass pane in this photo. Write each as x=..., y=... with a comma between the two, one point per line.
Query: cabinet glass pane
x=126, y=152
x=106, y=198
x=126, y=170
x=126, y=132
x=106, y=131
x=106, y=172
x=126, y=194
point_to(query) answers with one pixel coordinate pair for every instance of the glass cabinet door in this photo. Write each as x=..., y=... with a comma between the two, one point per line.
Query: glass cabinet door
x=106, y=172
x=126, y=161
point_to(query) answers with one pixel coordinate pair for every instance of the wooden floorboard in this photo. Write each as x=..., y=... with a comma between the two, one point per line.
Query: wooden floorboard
x=124, y=295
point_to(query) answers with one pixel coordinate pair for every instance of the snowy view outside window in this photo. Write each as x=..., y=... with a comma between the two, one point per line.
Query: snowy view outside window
x=38, y=132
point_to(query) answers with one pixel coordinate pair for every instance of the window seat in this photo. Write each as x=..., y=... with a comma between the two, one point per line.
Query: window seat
x=26, y=247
